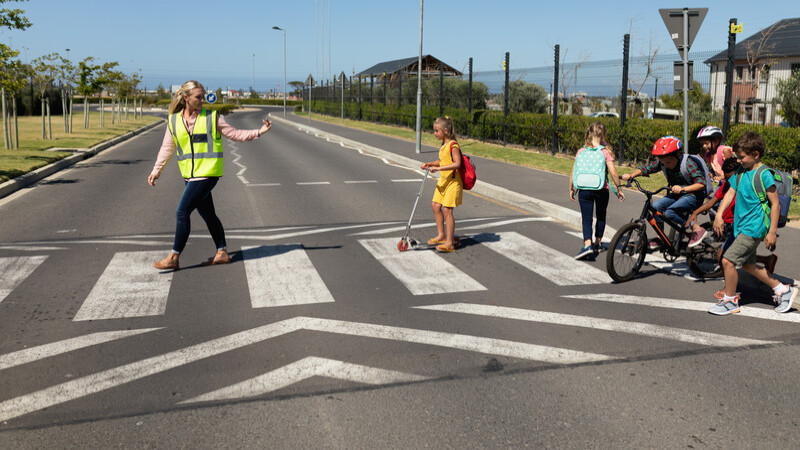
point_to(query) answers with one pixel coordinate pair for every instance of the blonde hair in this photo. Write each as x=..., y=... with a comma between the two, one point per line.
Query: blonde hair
x=445, y=123
x=178, y=100
x=597, y=130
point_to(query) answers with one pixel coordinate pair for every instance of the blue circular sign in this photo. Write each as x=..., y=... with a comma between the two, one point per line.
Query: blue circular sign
x=211, y=97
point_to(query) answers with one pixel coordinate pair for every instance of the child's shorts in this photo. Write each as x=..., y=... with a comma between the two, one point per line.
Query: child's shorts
x=729, y=237
x=743, y=250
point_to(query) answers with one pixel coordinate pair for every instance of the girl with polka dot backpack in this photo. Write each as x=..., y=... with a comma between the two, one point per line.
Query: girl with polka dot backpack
x=593, y=163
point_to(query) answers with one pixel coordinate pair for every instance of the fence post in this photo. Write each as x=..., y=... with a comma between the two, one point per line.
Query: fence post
x=738, y=109
x=371, y=88
x=359, y=97
x=623, y=110
x=384, y=88
x=555, y=100
x=400, y=89
x=726, y=118
x=469, y=100
x=505, y=108
x=441, y=90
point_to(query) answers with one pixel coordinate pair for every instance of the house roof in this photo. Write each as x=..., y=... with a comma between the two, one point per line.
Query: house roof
x=400, y=64
x=783, y=42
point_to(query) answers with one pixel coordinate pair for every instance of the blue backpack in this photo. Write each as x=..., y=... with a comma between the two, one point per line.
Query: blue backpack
x=589, y=170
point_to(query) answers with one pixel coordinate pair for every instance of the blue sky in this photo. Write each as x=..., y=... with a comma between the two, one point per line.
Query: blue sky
x=214, y=42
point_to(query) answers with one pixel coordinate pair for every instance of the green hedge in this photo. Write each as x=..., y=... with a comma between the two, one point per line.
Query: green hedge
x=536, y=130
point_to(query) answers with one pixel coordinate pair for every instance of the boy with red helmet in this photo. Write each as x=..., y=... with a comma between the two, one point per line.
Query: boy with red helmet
x=684, y=197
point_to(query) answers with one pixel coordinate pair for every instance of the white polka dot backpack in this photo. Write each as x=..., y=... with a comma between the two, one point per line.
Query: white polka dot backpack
x=589, y=171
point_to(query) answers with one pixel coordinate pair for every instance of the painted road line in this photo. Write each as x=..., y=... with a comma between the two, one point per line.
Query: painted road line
x=282, y=275
x=423, y=225
x=309, y=232
x=619, y=326
x=15, y=270
x=361, y=182
x=32, y=354
x=557, y=267
x=32, y=248
x=311, y=183
x=478, y=344
x=129, y=287
x=687, y=305
x=422, y=272
x=111, y=378
x=507, y=222
x=302, y=370
x=263, y=184
x=108, y=379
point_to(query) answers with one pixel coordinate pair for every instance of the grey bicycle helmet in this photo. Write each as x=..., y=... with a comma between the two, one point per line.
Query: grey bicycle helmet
x=710, y=132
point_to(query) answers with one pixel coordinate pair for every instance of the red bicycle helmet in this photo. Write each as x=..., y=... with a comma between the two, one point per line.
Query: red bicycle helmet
x=667, y=145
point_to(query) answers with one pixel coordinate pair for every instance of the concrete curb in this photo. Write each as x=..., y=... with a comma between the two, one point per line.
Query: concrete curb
x=22, y=181
x=524, y=202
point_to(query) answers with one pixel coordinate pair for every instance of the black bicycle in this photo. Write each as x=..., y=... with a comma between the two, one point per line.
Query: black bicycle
x=629, y=245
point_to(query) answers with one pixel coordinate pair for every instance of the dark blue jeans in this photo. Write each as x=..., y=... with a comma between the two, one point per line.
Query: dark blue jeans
x=587, y=201
x=675, y=208
x=197, y=195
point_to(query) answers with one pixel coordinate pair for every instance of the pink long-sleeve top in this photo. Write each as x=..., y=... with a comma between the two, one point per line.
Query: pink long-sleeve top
x=168, y=144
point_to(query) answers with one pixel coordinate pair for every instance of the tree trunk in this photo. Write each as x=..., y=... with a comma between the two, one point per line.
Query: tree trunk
x=44, y=129
x=6, y=134
x=86, y=112
x=126, y=109
x=64, y=110
x=113, y=118
x=71, y=104
x=16, y=124
x=49, y=121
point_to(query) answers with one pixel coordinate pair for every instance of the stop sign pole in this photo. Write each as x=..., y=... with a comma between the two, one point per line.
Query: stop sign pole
x=678, y=25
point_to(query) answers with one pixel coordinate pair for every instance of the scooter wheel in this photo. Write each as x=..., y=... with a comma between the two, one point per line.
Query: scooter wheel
x=402, y=245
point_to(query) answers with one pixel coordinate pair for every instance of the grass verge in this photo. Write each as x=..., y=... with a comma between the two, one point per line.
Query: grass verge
x=537, y=159
x=34, y=152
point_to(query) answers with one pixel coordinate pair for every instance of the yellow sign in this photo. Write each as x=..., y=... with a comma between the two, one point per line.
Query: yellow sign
x=737, y=28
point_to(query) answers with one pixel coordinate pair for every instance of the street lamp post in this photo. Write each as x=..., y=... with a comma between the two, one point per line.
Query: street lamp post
x=254, y=72
x=284, y=68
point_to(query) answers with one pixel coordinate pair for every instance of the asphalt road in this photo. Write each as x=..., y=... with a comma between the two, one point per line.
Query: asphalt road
x=321, y=334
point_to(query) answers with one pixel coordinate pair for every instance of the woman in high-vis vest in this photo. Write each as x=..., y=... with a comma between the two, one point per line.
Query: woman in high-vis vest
x=196, y=134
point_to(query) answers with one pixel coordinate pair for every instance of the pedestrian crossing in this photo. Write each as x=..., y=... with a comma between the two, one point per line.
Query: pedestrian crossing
x=283, y=275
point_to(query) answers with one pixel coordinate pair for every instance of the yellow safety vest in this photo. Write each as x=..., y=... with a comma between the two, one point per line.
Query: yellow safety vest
x=199, y=153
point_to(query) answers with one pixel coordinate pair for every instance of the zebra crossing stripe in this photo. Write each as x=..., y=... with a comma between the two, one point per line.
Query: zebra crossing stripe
x=301, y=370
x=688, y=305
x=129, y=287
x=620, y=326
x=15, y=269
x=28, y=355
x=557, y=267
x=282, y=275
x=111, y=378
x=422, y=272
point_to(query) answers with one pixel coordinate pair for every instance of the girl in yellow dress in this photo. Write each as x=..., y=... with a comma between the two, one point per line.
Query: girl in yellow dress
x=450, y=186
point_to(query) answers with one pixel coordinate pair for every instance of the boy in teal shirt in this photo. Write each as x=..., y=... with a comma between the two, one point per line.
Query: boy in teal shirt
x=750, y=227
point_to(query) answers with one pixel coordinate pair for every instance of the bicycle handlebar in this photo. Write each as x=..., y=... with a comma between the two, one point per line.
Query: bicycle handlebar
x=645, y=191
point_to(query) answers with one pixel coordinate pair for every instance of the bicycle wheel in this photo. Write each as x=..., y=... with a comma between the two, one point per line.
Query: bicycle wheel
x=702, y=260
x=626, y=252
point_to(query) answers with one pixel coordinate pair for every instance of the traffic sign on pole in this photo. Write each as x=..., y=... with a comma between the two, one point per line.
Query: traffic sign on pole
x=683, y=30
x=673, y=19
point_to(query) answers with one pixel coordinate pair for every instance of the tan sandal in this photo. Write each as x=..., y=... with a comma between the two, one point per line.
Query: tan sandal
x=166, y=264
x=434, y=241
x=221, y=257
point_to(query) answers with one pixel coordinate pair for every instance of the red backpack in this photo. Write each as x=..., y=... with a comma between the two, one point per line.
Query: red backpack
x=467, y=169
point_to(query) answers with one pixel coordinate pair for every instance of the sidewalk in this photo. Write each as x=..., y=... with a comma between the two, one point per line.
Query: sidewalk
x=526, y=188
